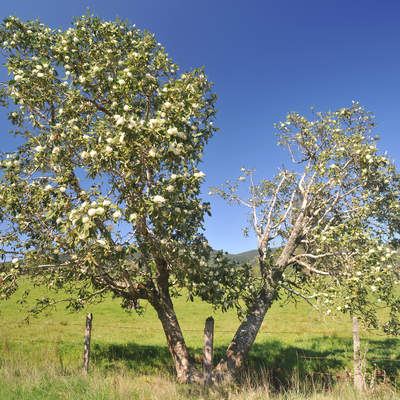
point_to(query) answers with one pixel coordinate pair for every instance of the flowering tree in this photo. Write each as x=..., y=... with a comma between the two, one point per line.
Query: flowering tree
x=102, y=195
x=335, y=219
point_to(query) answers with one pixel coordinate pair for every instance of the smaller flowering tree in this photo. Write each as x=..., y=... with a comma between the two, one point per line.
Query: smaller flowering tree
x=335, y=217
x=102, y=196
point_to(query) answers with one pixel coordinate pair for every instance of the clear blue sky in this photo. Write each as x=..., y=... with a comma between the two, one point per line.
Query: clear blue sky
x=266, y=58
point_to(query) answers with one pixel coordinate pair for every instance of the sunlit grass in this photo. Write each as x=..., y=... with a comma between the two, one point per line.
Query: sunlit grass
x=298, y=353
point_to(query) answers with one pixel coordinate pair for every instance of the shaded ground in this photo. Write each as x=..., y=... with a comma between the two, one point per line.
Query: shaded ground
x=279, y=361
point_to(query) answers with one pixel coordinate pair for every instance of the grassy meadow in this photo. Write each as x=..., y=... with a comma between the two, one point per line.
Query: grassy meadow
x=298, y=354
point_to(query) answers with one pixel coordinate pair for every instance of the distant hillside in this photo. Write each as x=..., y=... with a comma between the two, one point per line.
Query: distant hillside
x=246, y=256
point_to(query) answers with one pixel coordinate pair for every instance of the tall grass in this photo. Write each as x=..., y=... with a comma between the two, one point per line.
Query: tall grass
x=51, y=382
x=297, y=355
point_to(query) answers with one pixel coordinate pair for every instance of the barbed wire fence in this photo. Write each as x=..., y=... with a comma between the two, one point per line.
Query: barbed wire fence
x=375, y=371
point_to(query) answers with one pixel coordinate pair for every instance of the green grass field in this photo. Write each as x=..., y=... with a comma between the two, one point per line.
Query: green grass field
x=297, y=351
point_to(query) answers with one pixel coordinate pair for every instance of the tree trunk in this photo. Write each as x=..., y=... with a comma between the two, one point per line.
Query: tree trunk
x=359, y=382
x=185, y=369
x=244, y=338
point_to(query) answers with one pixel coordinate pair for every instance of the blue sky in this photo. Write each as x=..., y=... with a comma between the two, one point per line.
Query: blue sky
x=266, y=58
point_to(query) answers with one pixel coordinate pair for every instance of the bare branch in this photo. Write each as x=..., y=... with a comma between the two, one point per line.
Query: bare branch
x=254, y=206
x=310, y=268
x=271, y=207
x=306, y=298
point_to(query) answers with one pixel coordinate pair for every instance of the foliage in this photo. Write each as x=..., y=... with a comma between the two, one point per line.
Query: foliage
x=103, y=194
x=334, y=216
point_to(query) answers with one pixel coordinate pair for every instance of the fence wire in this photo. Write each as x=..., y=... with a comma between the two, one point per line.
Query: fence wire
x=28, y=325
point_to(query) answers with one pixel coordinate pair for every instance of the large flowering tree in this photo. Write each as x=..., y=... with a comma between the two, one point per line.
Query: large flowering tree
x=102, y=196
x=335, y=220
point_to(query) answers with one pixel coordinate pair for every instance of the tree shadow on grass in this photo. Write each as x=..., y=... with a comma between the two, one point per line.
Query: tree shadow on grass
x=134, y=357
x=322, y=360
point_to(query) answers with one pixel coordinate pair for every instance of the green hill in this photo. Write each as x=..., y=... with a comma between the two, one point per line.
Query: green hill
x=247, y=256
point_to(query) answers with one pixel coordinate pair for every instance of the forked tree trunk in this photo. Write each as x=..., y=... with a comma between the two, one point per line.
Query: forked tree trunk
x=185, y=369
x=230, y=365
x=359, y=381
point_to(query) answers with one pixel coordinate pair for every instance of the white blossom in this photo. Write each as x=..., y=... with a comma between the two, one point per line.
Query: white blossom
x=173, y=148
x=152, y=152
x=199, y=174
x=158, y=199
x=100, y=211
x=181, y=135
x=120, y=120
x=117, y=214
x=172, y=131
x=132, y=217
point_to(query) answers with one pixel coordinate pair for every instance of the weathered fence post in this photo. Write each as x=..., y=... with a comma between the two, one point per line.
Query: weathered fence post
x=208, y=349
x=88, y=334
x=359, y=379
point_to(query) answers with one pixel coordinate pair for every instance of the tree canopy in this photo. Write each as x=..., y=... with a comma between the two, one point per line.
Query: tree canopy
x=103, y=194
x=334, y=216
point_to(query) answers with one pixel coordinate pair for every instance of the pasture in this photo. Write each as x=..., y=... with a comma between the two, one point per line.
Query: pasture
x=298, y=354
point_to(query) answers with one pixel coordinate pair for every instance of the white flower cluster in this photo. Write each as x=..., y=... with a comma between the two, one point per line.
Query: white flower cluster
x=175, y=148
x=158, y=199
x=175, y=132
x=156, y=122
x=199, y=174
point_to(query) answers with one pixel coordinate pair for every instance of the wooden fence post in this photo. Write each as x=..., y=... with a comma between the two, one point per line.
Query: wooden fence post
x=208, y=349
x=88, y=334
x=359, y=378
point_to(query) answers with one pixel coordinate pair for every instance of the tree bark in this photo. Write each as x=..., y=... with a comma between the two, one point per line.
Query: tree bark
x=359, y=381
x=185, y=369
x=230, y=365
